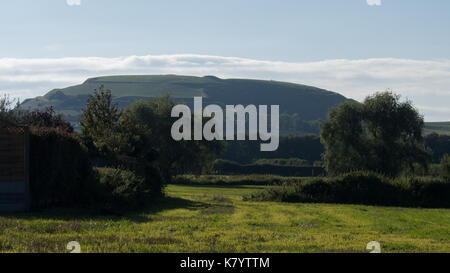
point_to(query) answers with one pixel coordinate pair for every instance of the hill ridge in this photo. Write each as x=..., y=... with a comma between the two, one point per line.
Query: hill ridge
x=308, y=102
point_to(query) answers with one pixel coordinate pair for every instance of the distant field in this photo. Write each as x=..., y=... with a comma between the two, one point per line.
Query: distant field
x=442, y=128
x=215, y=219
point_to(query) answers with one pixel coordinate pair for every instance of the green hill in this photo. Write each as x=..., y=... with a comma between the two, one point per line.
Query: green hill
x=310, y=103
x=442, y=128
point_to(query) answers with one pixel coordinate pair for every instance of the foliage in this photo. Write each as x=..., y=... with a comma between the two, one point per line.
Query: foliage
x=439, y=144
x=229, y=167
x=362, y=188
x=9, y=112
x=100, y=122
x=382, y=134
x=432, y=170
x=230, y=180
x=445, y=167
x=60, y=170
x=307, y=147
x=123, y=190
x=46, y=119
x=174, y=157
x=117, y=140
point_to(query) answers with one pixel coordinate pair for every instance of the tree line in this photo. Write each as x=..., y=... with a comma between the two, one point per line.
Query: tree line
x=134, y=146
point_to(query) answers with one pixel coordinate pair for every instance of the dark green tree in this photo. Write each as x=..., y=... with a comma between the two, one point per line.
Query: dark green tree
x=9, y=112
x=445, y=167
x=100, y=122
x=439, y=144
x=174, y=157
x=117, y=140
x=382, y=134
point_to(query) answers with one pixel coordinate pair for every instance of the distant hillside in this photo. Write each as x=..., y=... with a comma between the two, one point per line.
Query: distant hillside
x=309, y=103
x=442, y=128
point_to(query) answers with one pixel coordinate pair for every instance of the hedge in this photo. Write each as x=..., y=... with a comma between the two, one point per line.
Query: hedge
x=362, y=188
x=60, y=170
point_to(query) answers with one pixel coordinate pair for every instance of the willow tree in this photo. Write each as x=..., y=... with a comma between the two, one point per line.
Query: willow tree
x=382, y=134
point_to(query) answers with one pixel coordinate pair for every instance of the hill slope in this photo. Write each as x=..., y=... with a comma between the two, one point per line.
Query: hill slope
x=442, y=128
x=310, y=103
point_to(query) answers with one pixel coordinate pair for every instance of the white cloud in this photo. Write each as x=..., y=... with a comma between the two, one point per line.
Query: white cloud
x=374, y=2
x=73, y=2
x=427, y=83
x=445, y=110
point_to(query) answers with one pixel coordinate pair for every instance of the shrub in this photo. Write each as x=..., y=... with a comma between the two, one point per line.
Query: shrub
x=424, y=192
x=122, y=189
x=60, y=170
x=254, y=179
x=47, y=118
x=366, y=188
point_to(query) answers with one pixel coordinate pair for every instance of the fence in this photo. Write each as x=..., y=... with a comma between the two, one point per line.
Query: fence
x=14, y=169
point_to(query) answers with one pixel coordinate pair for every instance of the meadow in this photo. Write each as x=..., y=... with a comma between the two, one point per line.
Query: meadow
x=214, y=218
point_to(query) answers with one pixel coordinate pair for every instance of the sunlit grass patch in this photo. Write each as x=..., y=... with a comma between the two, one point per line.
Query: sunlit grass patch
x=216, y=219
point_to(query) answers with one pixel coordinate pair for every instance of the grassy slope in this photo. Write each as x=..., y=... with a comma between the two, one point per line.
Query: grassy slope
x=215, y=219
x=442, y=128
x=310, y=102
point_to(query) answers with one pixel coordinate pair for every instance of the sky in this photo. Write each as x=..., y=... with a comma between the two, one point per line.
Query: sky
x=354, y=47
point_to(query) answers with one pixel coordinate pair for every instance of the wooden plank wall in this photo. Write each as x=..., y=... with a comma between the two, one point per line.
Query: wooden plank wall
x=12, y=155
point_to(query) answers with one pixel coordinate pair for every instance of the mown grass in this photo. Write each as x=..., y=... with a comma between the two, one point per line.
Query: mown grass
x=215, y=219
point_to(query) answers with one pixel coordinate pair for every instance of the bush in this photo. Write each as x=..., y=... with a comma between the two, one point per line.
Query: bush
x=424, y=192
x=47, y=119
x=253, y=179
x=122, y=189
x=60, y=170
x=366, y=188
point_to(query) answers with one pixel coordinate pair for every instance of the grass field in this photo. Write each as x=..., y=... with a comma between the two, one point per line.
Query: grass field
x=215, y=219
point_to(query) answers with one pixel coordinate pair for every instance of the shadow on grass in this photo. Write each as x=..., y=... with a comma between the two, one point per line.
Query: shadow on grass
x=89, y=214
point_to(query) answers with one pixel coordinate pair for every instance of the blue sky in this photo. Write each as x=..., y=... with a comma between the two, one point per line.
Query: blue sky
x=288, y=30
x=400, y=44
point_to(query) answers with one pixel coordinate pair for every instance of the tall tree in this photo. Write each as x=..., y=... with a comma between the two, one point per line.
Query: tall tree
x=9, y=112
x=382, y=134
x=173, y=156
x=100, y=121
